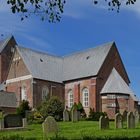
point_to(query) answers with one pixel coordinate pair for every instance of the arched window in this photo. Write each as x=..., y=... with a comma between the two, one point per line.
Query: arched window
x=45, y=92
x=70, y=98
x=24, y=93
x=85, y=97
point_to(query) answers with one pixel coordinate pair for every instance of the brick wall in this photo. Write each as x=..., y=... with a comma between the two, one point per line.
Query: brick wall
x=55, y=89
x=77, y=86
x=112, y=60
x=8, y=110
x=5, y=59
x=122, y=102
x=17, y=68
x=16, y=88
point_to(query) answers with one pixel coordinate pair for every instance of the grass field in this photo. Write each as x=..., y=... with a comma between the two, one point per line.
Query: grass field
x=77, y=130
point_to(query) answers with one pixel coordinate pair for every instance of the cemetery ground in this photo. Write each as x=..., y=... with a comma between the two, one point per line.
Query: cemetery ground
x=77, y=130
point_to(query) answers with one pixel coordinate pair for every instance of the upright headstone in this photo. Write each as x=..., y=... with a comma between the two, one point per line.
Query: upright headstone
x=137, y=117
x=103, y=122
x=130, y=120
x=79, y=115
x=1, y=120
x=74, y=115
x=118, y=121
x=66, y=116
x=49, y=126
x=24, y=121
x=124, y=115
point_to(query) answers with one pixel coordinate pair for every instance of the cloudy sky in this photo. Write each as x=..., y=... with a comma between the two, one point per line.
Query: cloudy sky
x=83, y=25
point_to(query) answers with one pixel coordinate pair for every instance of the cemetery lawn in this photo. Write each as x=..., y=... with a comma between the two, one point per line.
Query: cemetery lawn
x=76, y=131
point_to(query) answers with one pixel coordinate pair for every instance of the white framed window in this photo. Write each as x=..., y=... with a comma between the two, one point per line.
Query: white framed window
x=111, y=96
x=111, y=105
x=85, y=96
x=24, y=93
x=70, y=98
x=45, y=92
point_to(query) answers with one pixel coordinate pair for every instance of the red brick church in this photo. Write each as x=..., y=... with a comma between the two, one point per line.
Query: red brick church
x=96, y=77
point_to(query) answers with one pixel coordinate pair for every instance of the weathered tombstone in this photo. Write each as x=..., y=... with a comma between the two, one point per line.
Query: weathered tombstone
x=103, y=122
x=118, y=121
x=1, y=120
x=74, y=115
x=130, y=120
x=24, y=121
x=79, y=115
x=66, y=116
x=13, y=120
x=124, y=115
x=137, y=117
x=49, y=126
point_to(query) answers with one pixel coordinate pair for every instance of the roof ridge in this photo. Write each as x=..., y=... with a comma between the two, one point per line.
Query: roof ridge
x=89, y=49
x=37, y=51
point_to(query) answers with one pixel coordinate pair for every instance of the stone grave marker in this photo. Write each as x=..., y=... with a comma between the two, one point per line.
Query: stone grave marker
x=49, y=126
x=66, y=116
x=13, y=120
x=124, y=115
x=130, y=120
x=103, y=122
x=137, y=117
x=24, y=121
x=118, y=121
x=1, y=120
x=79, y=115
x=74, y=115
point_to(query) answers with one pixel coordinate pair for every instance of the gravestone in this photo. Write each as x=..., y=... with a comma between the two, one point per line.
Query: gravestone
x=79, y=115
x=124, y=115
x=66, y=116
x=130, y=120
x=74, y=115
x=137, y=117
x=13, y=120
x=103, y=122
x=49, y=126
x=1, y=120
x=118, y=121
x=24, y=120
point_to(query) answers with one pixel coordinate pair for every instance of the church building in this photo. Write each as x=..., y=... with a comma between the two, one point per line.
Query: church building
x=96, y=77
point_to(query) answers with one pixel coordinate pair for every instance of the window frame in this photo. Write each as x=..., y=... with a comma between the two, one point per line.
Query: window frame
x=45, y=90
x=85, y=97
x=70, y=98
x=24, y=93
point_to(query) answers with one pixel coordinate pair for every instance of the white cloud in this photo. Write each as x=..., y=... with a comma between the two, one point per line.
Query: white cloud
x=4, y=6
x=77, y=8
x=36, y=43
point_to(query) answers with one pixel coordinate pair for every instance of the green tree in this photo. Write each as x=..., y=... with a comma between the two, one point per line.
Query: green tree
x=52, y=107
x=51, y=10
x=46, y=9
x=23, y=107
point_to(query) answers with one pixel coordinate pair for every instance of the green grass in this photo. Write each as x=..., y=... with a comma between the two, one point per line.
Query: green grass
x=77, y=130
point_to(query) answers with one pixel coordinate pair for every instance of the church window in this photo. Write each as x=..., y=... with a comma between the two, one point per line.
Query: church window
x=45, y=92
x=70, y=98
x=85, y=97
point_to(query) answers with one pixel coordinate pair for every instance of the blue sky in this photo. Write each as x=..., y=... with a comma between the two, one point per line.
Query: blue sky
x=83, y=25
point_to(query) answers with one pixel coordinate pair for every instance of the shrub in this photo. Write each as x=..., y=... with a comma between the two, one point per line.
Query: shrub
x=95, y=115
x=35, y=117
x=81, y=109
x=21, y=110
x=52, y=107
